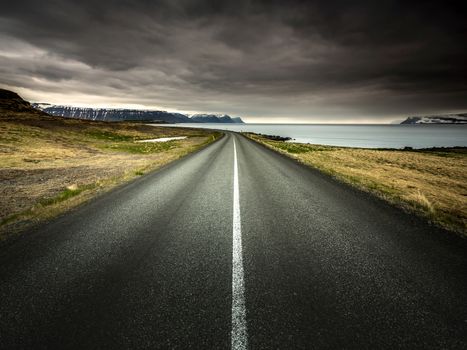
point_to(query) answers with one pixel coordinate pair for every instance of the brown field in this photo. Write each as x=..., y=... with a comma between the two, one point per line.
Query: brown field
x=431, y=183
x=49, y=165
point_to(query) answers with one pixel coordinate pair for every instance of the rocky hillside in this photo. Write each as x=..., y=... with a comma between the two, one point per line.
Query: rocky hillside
x=459, y=118
x=107, y=114
x=12, y=102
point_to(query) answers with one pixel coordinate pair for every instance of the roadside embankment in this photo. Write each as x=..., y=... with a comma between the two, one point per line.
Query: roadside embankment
x=429, y=182
x=50, y=165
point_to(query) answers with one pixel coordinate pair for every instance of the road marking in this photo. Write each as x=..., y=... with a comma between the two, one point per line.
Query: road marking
x=239, y=332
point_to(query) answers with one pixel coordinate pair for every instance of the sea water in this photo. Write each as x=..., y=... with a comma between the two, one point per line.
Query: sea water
x=367, y=136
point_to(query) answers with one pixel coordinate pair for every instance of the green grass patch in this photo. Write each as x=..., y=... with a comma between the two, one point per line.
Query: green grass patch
x=62, y=196
x=14, y=217
x=108, y=136
x=140, y=147
x=291, y=147
x=65, y=195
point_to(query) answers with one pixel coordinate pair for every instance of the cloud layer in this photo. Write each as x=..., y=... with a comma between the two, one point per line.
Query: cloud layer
x=300, y=61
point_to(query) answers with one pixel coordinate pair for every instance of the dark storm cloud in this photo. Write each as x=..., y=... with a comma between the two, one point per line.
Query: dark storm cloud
x=298, y=59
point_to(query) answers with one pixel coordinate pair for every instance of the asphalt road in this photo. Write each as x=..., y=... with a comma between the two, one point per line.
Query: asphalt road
x=234, y=247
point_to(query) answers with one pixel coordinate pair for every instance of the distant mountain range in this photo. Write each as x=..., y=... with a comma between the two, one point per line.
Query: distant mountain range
x=459, y=118
x=215, y=118
x=109, y=114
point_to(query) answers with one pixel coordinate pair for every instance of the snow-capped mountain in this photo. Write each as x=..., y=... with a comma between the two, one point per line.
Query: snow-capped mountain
x=105, y=114
x=459, y=118
x=109, y=114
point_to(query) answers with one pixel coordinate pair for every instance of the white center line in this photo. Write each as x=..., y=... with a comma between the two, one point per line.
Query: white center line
x=239, y=332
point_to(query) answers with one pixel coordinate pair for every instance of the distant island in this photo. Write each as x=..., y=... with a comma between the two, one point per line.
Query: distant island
x=458, y=118
x=112, y=114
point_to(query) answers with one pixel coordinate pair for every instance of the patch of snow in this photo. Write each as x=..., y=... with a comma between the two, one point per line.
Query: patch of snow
x=41, y=106
x=164, y=139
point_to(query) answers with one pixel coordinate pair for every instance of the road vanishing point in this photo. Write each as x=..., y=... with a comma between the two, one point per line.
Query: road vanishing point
x=234, y=247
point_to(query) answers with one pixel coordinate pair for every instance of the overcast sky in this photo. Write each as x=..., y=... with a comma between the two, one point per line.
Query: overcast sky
x=266, y=61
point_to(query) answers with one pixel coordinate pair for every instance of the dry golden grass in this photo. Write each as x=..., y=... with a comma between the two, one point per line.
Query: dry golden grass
x=49, y=165
x=432, y=183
